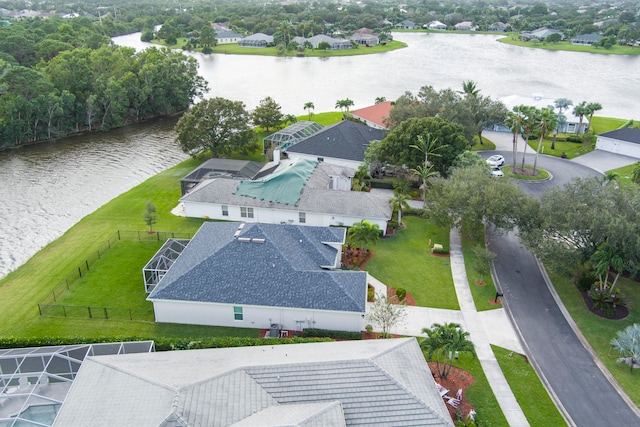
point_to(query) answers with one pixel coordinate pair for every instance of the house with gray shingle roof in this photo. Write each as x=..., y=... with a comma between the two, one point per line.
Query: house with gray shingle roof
x=349, y=383
x=587, y=39
x=299, y=191
x=625, y=141
x=253, y=275
x=343, y=143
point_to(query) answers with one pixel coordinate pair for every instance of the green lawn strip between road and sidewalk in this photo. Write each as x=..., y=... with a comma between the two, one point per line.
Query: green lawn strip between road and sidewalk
x=599, y=331
x=234, y=49
x=533, y=398
x=481, y=294
x=405, y=261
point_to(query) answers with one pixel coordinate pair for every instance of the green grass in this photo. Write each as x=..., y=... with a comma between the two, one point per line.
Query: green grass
x=571, y=149
x=234, y=49
x=606, y=124
x=480, y=395
x=568, y=46
x=486, y=145
x=405, y=261
x=481, y=294
x=625, y=173
x=599, y=331
x=527, y=388
x=542, y=174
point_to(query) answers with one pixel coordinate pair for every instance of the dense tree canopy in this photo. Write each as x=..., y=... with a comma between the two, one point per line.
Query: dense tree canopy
x=396, y=148
x=217, y=125
x=267, y=114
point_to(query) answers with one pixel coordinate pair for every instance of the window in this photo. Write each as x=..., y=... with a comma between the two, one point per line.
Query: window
x=320, y=159
x=237, y=313
x=225, y=210
x=302, y=217
x=246, y=212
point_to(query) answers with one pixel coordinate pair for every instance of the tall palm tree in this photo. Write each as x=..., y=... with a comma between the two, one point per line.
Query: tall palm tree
x=344, y=105
x=529, y=124
x=627, y=343
x=592, y=107
x=560, y=104
x=424, y=173
x=547, y=119
x=309, y=107
x=514, y=121
x=580, y=110
x=605, y=258
x=442, y=342
x=470, y=89
x=363, y=233
x=399, y=202
x=380, y=99
x=428, y=146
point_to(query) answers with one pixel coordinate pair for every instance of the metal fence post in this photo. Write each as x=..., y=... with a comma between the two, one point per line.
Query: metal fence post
x=87, y=264
x=118, y=234
x=39, y=309
x=80, y=272
x=89, y=309
x=106, y=315
x=64, y=309
x=54, y=296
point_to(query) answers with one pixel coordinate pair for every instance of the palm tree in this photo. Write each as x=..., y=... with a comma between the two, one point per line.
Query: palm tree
x=562, y=123
x=580, y=110
x=399, y=202
x=547, y=119
x=424, y=173
x=428, y=146
x=627, y=343
x=530, y=122
x=514, y=121
x=592, y=107
x=380, y=99
x=344, y=105
x=560, y=104
x=309, y=107
x=443, y=342
x=363, y=233
x=609, y=177
x=470, y=89
x=603, y=260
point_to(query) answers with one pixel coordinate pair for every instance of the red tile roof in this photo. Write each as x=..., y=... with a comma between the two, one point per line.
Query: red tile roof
x=376, y=113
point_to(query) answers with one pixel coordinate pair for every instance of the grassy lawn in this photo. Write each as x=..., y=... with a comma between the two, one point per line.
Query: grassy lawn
x=487, y=407
x=486, y=145
x=600, y=331
x=528, y=389
x=625, y=173
x=405, y=261
x=571, y=149
x=542, y=174
x=606, y=124
x=568, y=46
x=481, y=294
x=234, y=49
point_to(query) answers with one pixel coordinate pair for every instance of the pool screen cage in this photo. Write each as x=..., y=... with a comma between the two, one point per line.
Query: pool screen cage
x=291, y=135
x=161, y=262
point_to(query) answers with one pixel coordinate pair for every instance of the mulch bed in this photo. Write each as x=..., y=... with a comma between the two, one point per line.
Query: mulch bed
x=524, y=172
x=456, y=379
x=440, y=255
x=618, y=313
x=408, y=299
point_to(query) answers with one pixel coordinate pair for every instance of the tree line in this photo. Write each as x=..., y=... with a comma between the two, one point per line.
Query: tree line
x=73, y=79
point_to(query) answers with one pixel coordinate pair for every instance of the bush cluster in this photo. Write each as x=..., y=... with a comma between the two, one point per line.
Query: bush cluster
x=326, y=333
x=440, y=251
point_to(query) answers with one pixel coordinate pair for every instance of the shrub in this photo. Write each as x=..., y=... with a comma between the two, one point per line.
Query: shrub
x=605, y=299
x=371, y=293
x=382, y=183
x=368, y=328
x=326, y=333
x=401, y=293
x=207, y=50
x=440, y=251
x=585, y=281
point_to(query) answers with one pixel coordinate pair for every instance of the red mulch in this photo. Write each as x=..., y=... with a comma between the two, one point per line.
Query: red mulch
x=480, y=283
x=456, y=379
x=440, y=255
x=349, y=254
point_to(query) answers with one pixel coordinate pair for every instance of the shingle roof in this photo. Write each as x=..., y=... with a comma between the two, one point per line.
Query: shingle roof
x=316, y=196
x=372, y=382
x=282, y=268
x=344, y=140
x=625, y=134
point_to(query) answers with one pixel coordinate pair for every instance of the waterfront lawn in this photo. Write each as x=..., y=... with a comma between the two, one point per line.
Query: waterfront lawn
x=605, y=124
x=481, y=294
x=22, y=289
x=527, y=388
x=405, y=261
x=513, y=39
x=599, y=331
x=234, y=49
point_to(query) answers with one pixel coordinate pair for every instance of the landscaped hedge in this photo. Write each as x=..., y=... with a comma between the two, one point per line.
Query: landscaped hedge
x=381, y=183
x=342, y=335
x=420, y=213
x=440, y=251
x=161, y=343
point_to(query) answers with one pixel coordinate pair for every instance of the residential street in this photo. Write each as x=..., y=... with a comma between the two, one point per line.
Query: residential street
x=584, y=391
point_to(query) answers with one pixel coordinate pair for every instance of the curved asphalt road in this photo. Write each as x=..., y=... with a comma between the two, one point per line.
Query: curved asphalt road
x=585, y=393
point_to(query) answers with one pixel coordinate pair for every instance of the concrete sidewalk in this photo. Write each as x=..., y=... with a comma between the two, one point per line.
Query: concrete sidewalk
x=485, y=328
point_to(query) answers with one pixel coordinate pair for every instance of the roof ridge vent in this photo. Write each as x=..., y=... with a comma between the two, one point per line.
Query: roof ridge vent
x=244, y=239
x=258, y=240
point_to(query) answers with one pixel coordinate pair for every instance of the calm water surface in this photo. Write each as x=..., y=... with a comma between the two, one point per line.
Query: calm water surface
x=47, y=188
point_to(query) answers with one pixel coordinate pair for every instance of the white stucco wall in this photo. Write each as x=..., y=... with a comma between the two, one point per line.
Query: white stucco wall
x=275, y=216
x=619, y=147
x=259, y=317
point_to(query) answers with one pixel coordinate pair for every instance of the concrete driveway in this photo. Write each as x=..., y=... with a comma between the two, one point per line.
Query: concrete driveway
x=603, y=161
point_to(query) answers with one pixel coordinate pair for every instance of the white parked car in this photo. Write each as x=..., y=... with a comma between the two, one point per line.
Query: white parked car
x=495, y=160
x=496, y=172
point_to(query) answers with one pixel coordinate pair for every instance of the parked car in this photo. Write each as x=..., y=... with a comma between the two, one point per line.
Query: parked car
x=496, y=160
x=496, y=172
